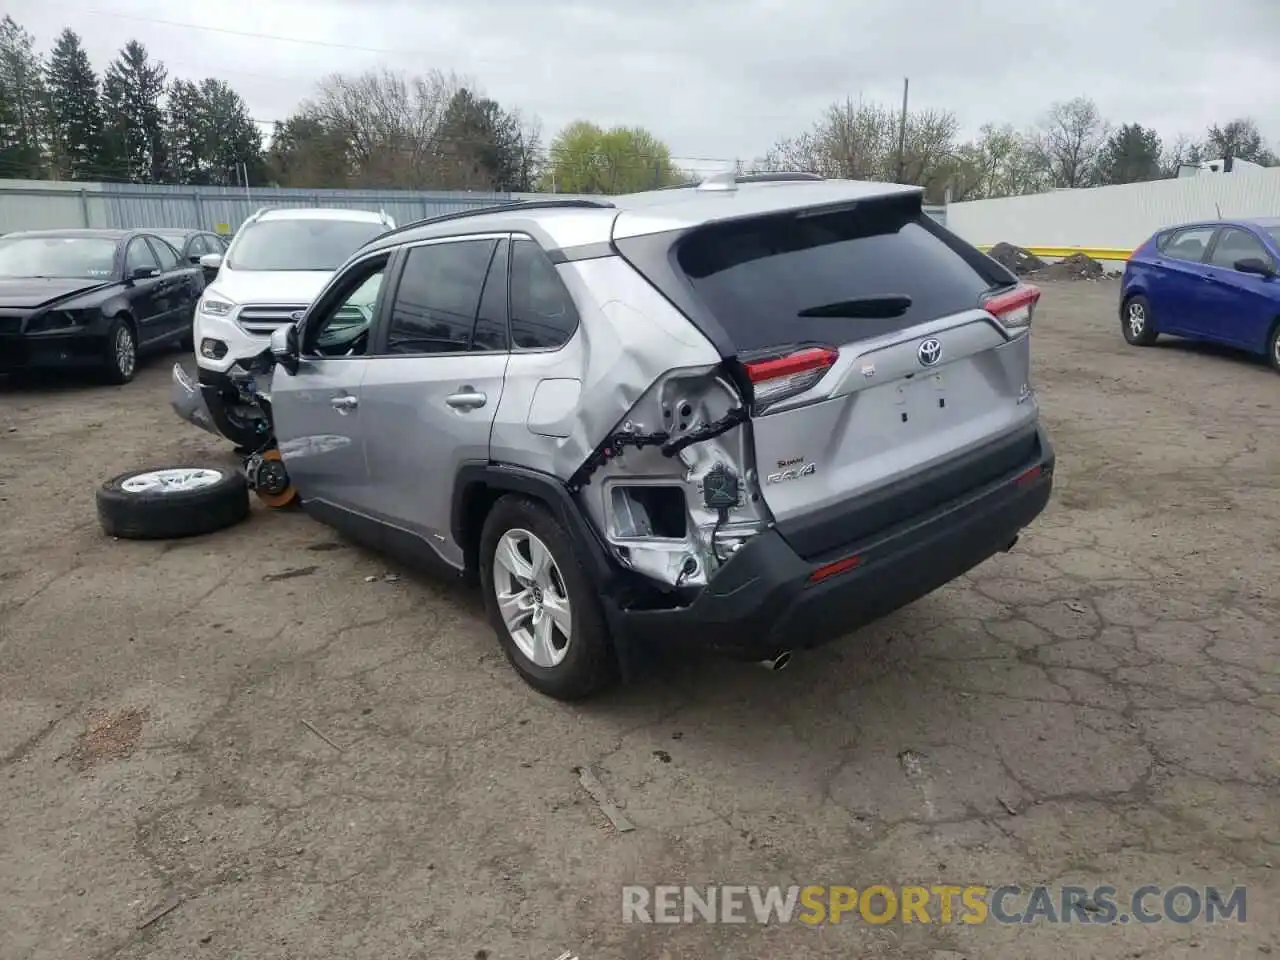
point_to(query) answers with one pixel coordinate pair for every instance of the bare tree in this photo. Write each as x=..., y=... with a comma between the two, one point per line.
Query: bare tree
x=1183, y=149
x=1000, y=163
x=856, y=140
x=390, y=123
x=929, y=149
x=1068, y=142
x=1241, y=139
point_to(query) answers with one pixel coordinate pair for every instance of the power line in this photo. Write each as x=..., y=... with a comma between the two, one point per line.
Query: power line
x=249, y=34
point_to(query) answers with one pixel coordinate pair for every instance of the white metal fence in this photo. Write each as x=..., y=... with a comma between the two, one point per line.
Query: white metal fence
x=45, y=205
x=1115, y=217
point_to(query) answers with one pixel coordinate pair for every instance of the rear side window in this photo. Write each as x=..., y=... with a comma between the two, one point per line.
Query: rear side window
x=167, y=256
x=543, y=316
x=438, y=297
x=867, y=271
x=1189, y=244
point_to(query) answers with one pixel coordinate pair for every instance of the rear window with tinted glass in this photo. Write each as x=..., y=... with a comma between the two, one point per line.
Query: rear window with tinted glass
x=888, y=264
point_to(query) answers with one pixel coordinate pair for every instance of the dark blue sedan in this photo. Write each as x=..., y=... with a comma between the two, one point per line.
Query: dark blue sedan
x=1218, y=280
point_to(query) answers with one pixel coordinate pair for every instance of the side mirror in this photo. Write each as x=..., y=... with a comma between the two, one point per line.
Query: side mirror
x=143, y=273
x=195, y=259
x=284, y=347
x=1255, y=265
x=211, y=261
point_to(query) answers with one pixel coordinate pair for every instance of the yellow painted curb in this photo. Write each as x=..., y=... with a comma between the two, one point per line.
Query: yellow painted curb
x=1097, y=253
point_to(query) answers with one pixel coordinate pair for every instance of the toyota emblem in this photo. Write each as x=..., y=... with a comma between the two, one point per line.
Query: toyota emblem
x=929, y=352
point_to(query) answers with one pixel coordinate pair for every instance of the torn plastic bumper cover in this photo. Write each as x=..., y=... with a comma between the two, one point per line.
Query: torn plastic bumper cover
x=768, y=599
x=187, y=400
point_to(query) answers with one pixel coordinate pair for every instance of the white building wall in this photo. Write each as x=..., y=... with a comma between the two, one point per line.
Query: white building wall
x=1121, y=217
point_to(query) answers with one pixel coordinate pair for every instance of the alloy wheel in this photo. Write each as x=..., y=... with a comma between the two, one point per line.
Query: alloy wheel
x=126, y=352
x=1137, y=319
x=175, y=480
x=532, y=598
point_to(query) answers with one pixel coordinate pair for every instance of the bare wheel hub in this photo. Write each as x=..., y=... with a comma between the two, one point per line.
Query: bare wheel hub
x=272, y=477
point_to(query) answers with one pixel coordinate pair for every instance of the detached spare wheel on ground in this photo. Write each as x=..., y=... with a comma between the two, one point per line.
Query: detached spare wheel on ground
x=162, y=503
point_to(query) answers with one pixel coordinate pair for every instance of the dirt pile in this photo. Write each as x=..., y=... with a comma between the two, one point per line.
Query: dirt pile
x=1078, y=266
x=1017, y=259
x=1024, y=263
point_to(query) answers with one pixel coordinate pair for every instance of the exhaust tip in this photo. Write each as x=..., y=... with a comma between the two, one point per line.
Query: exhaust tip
x=777, y=663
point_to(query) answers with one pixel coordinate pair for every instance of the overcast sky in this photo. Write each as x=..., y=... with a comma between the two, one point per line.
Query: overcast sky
x=724, y=79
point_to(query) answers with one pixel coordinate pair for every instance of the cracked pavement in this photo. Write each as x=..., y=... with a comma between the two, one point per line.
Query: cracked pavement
x=330, y=767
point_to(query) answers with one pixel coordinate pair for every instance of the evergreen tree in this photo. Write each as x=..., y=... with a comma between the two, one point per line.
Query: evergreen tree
x=209, y=134
x=234, y=140
x=74, y=111
x=306, y=151
x=22, y=100
x=132, y=93
x=184, y=133
x=1130, y=155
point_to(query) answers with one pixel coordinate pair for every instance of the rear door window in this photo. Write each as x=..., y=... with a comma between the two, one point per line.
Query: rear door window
x=491, y=321
x=139, y=255
x=167, y=256
x=438, y=297
x=832, y=278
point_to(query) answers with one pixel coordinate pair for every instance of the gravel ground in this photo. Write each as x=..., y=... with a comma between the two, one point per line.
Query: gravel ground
x=296, y=762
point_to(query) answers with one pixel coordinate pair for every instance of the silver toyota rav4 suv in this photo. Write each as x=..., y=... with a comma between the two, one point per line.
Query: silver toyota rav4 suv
x=747, y=415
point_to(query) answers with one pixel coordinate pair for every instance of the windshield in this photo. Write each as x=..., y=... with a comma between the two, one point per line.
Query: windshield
x=81, y=258
x=1274, y=233
x=299, y=244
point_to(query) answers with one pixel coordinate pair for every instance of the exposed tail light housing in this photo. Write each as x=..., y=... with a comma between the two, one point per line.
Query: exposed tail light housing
x=1013, y=308
x=775, y=378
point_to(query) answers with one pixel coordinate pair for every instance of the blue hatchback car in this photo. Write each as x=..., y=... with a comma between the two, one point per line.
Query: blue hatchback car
x=1218, y=280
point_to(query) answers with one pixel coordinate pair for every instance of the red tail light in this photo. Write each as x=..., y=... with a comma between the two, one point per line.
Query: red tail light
x=776, y=378
x=1014, y=308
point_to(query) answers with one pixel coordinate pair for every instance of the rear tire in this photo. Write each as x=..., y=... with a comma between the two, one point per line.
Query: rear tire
x=1273, y=347
x=171, y=502
x=527, y=557
x=121, y=360
x=1136, y=323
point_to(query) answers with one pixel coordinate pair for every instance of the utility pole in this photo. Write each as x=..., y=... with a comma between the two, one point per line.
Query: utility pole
x=902, y=130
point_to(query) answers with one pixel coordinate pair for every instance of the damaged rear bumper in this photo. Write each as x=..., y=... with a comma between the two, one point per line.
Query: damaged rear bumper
x=768, y=599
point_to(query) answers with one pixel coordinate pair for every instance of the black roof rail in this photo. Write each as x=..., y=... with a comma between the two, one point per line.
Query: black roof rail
x=506, y=206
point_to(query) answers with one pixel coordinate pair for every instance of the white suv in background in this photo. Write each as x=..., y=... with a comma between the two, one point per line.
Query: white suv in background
x=279, y=260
